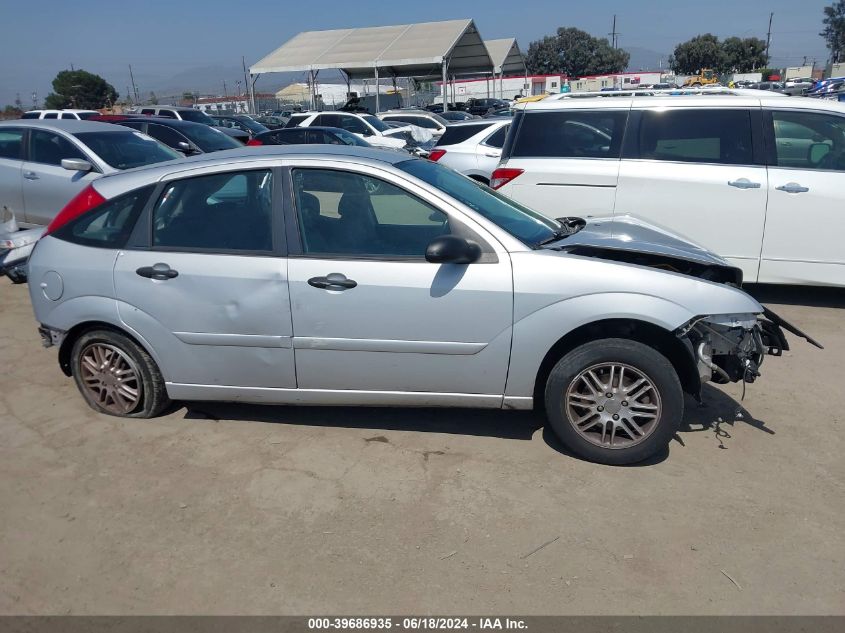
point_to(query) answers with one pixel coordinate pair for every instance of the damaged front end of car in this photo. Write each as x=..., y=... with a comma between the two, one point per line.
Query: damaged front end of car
x=731, y=348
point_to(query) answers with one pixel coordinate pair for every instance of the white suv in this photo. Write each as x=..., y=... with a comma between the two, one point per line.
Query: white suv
x=74, y=115
x=758, y=179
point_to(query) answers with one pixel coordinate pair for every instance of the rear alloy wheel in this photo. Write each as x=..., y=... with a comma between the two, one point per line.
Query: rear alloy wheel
x=614, y=401
x=116, y=376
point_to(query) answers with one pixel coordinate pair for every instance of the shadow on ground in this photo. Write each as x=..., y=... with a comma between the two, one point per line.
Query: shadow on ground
x=719, y=413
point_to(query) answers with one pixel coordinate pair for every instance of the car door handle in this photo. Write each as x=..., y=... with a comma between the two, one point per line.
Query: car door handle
x=159, y=271
x=744, y=183
x=30, y=175
x=793, y=187
x=492, y=155
x=333, y=281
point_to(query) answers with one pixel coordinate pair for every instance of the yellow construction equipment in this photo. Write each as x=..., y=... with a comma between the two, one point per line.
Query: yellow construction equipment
x=705, y=77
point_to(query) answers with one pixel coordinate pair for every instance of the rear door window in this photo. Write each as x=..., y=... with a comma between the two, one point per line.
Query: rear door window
x=696, y=135
x=51, y=115
x=291, y=137
x=570, y=134
x=228, y=212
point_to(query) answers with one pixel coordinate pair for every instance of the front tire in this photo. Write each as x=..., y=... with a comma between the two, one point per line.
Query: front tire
x=116, y=376
x=614, y=401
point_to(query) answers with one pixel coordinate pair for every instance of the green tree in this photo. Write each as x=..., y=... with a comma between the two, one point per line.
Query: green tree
x=80, y=89
x=834, y=30
x=743, y=55
x=575, y=53
x=153, y=100
x=702, y=51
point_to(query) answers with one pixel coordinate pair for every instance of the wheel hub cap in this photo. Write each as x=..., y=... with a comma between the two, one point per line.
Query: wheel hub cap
x=613, y=405
x=110, y=377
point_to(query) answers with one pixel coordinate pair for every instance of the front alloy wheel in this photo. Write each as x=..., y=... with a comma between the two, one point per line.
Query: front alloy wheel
x=613, y=405
x=614, y=401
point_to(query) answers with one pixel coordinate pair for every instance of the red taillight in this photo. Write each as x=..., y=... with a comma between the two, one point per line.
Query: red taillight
x=254, y=142
x=87, y=199
x=503, y=176
x=436, y=154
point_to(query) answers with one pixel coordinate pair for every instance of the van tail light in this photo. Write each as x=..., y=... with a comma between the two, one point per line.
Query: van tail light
x=254, y=142
x=503, y=175
x=436, y=154
x=86, y=200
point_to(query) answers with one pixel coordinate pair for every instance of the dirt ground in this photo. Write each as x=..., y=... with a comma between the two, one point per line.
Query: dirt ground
x=227, y=509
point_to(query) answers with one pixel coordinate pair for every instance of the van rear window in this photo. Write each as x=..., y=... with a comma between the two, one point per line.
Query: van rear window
x=570, y=134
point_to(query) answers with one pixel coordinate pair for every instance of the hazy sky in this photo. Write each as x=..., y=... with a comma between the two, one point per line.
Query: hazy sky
x=161, y=39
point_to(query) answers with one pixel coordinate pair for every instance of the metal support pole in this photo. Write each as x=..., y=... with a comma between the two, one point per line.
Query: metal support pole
x=377, y=92
x=254, y=78
x=443, y=86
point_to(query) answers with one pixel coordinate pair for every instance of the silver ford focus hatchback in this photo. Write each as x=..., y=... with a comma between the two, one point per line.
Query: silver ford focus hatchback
x=351, y=276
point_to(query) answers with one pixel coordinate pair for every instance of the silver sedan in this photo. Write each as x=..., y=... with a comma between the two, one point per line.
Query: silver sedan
x=352, y=276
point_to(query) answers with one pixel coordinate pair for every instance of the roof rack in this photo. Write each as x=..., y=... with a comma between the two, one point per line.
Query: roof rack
x=667, y=92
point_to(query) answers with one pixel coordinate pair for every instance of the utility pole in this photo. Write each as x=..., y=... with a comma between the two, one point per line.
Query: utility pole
x=769, y=37
x=134, y=87
x=613, y=34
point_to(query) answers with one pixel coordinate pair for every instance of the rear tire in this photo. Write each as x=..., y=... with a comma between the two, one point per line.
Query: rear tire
x=614, y=401
x=116, y=376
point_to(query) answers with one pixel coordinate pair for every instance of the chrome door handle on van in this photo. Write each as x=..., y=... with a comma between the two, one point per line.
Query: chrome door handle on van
x=793, y=187
x=160, y=272
x=744, y=183
x=332, y=281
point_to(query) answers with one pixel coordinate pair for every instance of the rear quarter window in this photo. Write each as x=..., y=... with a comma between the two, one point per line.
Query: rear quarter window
x=110, y=224
x=569, y=134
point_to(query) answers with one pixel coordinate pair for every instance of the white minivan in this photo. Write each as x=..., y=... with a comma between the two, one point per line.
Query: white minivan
x=758, y=179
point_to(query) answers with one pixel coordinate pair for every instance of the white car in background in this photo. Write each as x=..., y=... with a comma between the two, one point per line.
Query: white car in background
x=757, y=178
x=424, y=119
x=473, y=147
x=69, y=114
x=366, y=126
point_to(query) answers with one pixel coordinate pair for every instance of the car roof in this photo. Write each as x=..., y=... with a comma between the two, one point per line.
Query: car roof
x=71, y=126
x=488, y=121
x=75, y=110
x=161, y=120
x=168, y=107
x=251, y=153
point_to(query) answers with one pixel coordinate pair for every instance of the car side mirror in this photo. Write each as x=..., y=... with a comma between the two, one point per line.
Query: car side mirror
x=451, y=249
x=76, y=164
x=817, y=152
x=184, y=147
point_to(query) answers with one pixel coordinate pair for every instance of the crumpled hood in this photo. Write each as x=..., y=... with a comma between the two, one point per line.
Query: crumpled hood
x=419, y=134
x=627, y=233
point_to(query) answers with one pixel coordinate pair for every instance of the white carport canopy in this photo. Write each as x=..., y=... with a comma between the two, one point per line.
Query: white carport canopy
x=506, y=56
x=427, y=50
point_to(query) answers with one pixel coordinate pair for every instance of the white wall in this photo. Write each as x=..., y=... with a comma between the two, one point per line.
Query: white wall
x=798, y=71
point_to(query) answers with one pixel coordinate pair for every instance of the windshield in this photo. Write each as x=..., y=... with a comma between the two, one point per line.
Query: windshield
x=248, y=123
x=524, y=224
x=196, y=116
x=377, y=123
x=124, y=150
x=208, y=139
x=349, y=138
